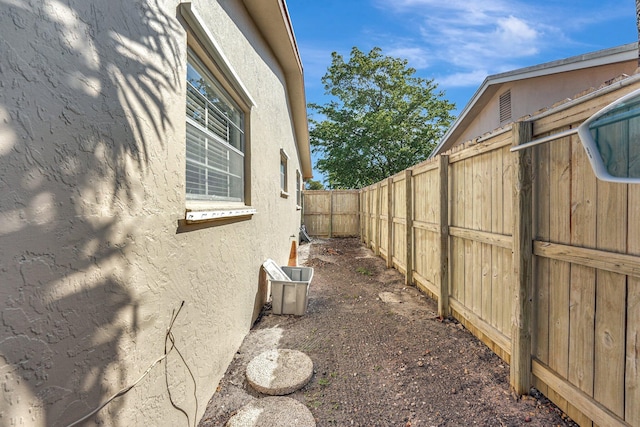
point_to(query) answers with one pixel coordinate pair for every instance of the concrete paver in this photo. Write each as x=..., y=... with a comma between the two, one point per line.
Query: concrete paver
x=273, y=411
x=278, y=372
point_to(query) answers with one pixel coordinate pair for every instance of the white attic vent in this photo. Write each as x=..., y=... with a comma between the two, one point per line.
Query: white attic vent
x=505, y=107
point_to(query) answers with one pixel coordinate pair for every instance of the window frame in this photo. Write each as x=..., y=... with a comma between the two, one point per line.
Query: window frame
x=218, y=132
x=298, y=190
x=284, y=174
x=207, y=50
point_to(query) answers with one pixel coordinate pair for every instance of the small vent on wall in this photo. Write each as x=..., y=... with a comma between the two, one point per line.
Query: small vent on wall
x=505, y=107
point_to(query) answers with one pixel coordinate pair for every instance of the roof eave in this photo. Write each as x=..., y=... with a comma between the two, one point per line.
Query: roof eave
x=272, y=19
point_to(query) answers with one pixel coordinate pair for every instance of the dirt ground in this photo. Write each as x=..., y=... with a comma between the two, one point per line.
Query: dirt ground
x=381, y=356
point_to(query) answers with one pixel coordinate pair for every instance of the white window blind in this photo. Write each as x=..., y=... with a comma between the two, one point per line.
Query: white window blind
x=214, y=141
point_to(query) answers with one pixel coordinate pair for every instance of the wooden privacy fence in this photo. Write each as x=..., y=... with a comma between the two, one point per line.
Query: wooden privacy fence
x=331, y=213
x=532, y=253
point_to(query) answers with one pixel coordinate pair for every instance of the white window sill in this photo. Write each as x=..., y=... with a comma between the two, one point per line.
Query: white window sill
x=192, y=216
x=284, y=194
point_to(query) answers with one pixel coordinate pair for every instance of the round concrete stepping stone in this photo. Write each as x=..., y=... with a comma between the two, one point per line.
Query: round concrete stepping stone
x=271, y=412
x=280, y=371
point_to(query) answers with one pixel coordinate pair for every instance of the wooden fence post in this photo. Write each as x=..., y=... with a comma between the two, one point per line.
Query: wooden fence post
x=330, y=213
x=364, y=196
x=377, y=217
x=389, y=222
x=366, y=216
x=443, y=298
x=520, y=369
x=362, y=227
x=365, y=219
x=408, y=278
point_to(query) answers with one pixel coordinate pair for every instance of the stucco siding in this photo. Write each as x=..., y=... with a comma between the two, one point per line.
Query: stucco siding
x=533, y=94
x=94, y=258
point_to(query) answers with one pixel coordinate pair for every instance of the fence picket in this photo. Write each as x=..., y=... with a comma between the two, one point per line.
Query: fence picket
x=553, y=287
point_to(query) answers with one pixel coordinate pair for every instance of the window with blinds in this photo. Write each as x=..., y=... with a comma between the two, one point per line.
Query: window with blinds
x=215, y=145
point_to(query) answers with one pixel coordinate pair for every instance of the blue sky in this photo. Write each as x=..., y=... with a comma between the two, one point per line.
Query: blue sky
x=456, y=42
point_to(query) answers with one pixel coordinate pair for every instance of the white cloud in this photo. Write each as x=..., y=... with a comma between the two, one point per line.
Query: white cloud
x=465, y=79
x=488, y=47
x=462, y=13
x=473, y=39
x=417, y=57
x=517, y=35
x=485, y=6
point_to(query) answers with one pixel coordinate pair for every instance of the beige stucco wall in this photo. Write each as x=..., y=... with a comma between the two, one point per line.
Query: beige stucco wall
x=92, y=160
x=531, y=95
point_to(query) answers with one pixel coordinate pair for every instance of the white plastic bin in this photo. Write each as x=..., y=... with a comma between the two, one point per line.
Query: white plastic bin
x=291, y=297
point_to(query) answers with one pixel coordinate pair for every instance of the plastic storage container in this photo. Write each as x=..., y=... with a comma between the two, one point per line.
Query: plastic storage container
x=291, y=297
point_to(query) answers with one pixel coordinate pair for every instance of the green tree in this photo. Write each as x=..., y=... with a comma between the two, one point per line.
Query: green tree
x=314, y=185
x=381, y=119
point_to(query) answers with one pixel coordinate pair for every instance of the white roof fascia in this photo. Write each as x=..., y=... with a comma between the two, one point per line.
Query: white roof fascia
x=594, y=59
x=272, y=19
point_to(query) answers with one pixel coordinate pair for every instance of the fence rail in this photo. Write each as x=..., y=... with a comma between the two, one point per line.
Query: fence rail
x=531, y=253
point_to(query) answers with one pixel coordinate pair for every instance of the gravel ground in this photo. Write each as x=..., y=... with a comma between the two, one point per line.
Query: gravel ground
x=381, y=355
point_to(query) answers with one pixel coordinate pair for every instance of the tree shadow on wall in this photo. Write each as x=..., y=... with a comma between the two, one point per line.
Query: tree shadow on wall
x=82, y=119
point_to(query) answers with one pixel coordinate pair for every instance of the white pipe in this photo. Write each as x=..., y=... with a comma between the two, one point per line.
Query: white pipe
x=544, y=139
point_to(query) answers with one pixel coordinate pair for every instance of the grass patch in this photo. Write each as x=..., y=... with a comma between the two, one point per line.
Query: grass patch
x=324, y=381
x=364, y=271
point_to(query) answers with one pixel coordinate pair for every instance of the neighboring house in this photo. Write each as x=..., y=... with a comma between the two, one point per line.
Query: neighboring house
x=116, y=207
x=504, y=98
